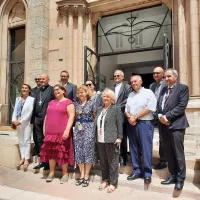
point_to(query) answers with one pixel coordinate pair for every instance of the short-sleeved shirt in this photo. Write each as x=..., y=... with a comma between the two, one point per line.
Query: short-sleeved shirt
x=138, y=101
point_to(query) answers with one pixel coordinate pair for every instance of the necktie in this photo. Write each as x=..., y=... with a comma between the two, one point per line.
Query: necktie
x=169, y=90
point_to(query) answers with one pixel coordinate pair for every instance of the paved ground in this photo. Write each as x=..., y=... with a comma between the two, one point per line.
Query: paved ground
x=19, y=185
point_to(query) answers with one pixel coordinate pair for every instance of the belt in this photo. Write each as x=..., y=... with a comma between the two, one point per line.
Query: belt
x=85, y=120
x=144, y=121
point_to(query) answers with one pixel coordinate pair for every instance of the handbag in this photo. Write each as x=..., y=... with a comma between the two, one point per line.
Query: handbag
x=13, y=126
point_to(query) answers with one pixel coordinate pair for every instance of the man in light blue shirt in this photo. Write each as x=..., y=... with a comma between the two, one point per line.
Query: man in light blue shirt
x=139, y=109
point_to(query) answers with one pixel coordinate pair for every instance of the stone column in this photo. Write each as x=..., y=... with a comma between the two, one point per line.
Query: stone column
x=70, y=10
x=182, y=42
x=80, y=73
x=194, y=45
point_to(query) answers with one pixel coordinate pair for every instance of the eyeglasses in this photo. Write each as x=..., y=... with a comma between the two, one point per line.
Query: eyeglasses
x=37, y=79
x=88, y=84
x=64, y=76
x=116, y=76
x=156, y=72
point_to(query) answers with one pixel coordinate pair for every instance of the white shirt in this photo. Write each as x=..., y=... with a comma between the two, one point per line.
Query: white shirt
x=101, y=134
x=138, y=101
x=117, y=89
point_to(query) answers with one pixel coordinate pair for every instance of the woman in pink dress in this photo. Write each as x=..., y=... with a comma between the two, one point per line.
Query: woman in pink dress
x=57, y=146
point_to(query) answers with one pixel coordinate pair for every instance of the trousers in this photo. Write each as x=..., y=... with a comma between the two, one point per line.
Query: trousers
x=109, y=162
x=141, y=141
x=24, y=132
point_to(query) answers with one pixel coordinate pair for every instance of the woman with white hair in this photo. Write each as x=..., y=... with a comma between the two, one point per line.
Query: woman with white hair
x=109, y=137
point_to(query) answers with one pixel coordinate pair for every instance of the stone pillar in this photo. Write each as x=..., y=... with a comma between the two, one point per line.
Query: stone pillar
x=183, y=71
x=80, y=73
x=70, y=11
x=38, y=42
x=194, y=45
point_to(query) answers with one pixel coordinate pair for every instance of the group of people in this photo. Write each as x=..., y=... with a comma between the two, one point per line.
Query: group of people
x=70, y=125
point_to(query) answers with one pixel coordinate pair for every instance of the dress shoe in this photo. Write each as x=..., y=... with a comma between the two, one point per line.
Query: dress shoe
x=179, y=185
x=133, y=177
x=46, y=167
x=170, y=180
x=147, y=180
x=34, y=154
x=40, y=165
x=160, y=165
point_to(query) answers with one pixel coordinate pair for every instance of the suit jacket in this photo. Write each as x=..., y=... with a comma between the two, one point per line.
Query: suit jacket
x=175, y=106
x=152, y=87
x=113, y=124
x=27, y=110
x=71, y=91
x=124, y=91
x=34, y=91
x=49, y=95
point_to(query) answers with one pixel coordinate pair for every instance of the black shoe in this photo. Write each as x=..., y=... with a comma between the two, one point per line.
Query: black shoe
x=40, y=165
x=34, y=154
x=46, y=167
x=122, y=161
x=160, y=165
x=79, y=182
x=179, y=185
x=133, y=177
x=170, y=180
x=147, y=180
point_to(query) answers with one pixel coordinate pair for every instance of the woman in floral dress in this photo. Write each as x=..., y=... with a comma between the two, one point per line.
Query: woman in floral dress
x=84, y=135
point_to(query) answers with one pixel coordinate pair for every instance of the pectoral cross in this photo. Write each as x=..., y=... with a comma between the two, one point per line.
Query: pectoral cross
x=40, y=103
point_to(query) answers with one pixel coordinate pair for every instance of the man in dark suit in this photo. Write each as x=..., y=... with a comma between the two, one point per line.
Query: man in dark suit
x=36, y=89
x=156, y=88
x=71, y=88
x=43, y=97
x=122, y=91
x=171, y=113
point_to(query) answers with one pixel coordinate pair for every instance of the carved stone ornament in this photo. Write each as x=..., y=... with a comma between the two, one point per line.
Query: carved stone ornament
x=18, y=13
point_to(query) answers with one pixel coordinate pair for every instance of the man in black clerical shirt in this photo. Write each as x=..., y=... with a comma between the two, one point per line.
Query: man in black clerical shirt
x=42, y=99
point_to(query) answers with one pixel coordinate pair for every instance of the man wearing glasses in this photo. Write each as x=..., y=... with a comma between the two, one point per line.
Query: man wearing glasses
x=122, y=91
x=71, y=88
x=156, y=88
x=35, y=89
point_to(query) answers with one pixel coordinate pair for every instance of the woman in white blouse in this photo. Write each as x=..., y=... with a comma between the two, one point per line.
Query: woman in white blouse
x=21, y=119
x=109, y=136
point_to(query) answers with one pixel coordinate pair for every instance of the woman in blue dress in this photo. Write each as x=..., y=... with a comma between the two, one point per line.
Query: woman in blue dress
x=84, y=135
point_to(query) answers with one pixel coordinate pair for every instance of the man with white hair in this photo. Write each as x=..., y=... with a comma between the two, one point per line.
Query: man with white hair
x=173, y=122
x=140, y=106
x=122, y=91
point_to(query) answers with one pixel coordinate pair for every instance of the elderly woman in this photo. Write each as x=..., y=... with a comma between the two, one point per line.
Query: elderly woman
x=109, y=134
x=94, y=95
x=84, y=134
x=21, y=119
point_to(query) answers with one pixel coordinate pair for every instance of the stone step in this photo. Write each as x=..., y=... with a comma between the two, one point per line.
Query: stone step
x=191, y=190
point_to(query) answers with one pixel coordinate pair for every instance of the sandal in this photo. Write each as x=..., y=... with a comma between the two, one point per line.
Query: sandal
x=79, y=182
x=25, y=166
x=103, y=186
x=85, y=182
x=111, y=189
x=19, y=165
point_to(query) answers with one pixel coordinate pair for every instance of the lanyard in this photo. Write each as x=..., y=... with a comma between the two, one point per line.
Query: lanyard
x=102, y=115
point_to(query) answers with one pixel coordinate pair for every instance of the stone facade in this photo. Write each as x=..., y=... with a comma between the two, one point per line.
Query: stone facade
x=57, y=31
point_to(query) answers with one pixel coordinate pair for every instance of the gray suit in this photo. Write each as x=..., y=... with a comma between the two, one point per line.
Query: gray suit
x=124, y=91
x=71, y=91
x=161, y=145
x=108, y=151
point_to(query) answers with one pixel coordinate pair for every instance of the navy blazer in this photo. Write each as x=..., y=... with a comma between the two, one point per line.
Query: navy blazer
x=175, y=106
x=71, y=91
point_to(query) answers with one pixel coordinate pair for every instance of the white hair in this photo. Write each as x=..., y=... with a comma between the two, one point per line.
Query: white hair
x=138, y=76
x=174, y=72
x=110, y=93
x=120, y=71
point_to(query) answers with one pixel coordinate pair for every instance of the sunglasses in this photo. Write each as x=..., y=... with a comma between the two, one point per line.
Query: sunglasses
x=116, y=76
x=37, y=79
x=156, y=72
x=88, y=84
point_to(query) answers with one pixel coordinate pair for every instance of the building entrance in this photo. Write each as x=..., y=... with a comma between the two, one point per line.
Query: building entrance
x=135, y=42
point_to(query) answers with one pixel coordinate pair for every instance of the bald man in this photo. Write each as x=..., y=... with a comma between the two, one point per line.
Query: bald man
x=42, y=99
x=156, y=88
